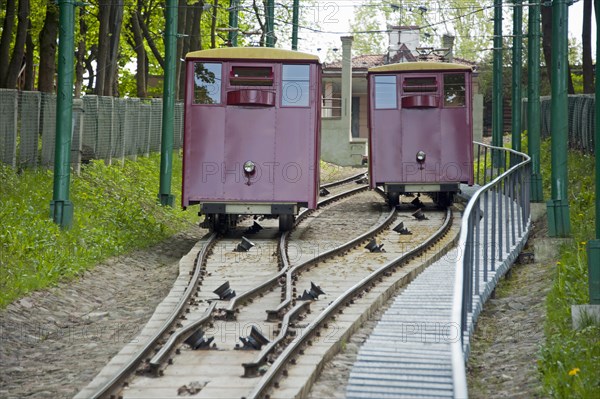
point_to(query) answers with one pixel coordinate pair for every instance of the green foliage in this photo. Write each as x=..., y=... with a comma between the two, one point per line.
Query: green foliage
x=468, y=21
x=577, y=83
x=115, y=211
x=570, y=360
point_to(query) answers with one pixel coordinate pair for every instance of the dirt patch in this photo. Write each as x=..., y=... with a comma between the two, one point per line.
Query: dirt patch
x=53, y=342
x=510, y=330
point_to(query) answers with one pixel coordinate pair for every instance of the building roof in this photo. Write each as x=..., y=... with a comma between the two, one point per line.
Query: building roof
x=359, y=62
x=365, y=62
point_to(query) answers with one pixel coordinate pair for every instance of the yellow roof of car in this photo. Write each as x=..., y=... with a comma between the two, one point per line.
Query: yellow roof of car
x=421, y=66
x=255, y=53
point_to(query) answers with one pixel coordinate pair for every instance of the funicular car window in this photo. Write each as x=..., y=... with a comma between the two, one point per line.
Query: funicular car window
x=420, y=85
x=385, y=92
x=251, y=76
x=207, y=83
x=454, y=90
x=295, y=86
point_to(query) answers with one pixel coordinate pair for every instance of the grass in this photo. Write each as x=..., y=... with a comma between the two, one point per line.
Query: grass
x=570, y=360
x=115, y=211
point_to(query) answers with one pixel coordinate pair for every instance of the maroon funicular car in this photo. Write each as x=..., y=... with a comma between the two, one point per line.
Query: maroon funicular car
x=252, y=134
x=420, y=129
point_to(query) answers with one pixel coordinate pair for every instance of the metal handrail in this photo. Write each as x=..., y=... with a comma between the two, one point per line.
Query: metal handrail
x=482, y=239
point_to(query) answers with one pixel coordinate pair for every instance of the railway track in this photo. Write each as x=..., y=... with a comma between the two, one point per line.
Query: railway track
x=256, y=341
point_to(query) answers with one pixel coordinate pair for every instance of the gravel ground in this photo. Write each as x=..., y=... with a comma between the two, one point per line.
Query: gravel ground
x=510, y=330
x=53, y=342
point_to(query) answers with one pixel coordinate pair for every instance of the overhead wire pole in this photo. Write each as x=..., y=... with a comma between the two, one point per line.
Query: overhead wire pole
x=270, y=23
x=233, y=22
x=533, y=101
x=517, y=72
x=593, y=246
x=61, y=208
x=166, y=146
x=559, y=224
x=295, y=18
x=497, y=98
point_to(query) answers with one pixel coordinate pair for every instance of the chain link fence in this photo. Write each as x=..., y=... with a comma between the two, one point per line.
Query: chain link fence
x=106, y=128
x=582, y=120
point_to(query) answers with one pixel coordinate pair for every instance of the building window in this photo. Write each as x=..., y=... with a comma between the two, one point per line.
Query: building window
x=385, y=92
x=207, y=83
x=295, y=89
x=454, y=90
x=332, y=100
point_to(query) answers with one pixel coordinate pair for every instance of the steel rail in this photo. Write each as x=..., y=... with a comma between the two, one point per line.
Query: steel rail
x=180, y=336
x=120, y=377
x=235, y=302
x=344, y=181
x=251, y=368
x=274, y=314
x=276, y=368
x=176, y=338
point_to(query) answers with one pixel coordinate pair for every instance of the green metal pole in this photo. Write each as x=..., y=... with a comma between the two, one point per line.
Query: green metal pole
x=497, y=111
x=61, y=209
x=593, y=246
x=558, y=208
x=166, y=147
x=270, y=22
x=233, y=22
x=295, y=14
x=533, y=102
x=517, y=73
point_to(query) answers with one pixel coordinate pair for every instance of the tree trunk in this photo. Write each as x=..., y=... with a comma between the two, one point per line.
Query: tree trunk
x=138, y=39
x=90, y=67
x=547, y=38
x=261, y=41
x=103, y=45
x=195, y=38
x=7, y=32
x=213, y=26
x=586, y=40
x=17, y=59
x=180, y=52
x=29, y=69
x=80, y=54
x=47, y=39
x=150, y=41
x=570, y=87
x=116, y=22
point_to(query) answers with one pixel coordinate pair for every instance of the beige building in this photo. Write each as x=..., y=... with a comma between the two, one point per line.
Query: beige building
x=344, y=129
